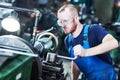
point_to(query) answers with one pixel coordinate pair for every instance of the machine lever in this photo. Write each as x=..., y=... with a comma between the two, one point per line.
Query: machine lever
x=52, y=57
x=68, y=58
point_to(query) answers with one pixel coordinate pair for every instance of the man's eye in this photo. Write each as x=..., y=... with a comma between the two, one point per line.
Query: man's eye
x=65, y=21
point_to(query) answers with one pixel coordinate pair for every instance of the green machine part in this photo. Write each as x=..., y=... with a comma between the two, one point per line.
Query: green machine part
x=115, y=53
x=16, y=66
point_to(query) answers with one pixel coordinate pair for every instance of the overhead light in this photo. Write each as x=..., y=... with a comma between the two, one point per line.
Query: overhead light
x=10, y=24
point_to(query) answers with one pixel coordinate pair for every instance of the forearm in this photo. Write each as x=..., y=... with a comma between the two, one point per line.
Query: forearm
x=102, y=48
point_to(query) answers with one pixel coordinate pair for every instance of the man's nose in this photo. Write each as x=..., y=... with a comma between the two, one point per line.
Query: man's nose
x=63, y=24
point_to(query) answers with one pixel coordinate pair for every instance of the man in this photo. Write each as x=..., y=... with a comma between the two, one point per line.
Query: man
x=93, y=61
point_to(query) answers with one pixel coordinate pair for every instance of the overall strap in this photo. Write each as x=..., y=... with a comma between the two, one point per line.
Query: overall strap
x=68, y=42
x=85, y=35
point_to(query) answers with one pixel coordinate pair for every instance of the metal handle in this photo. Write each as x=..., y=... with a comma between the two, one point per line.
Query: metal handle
x=68, y=58
x=52, y=57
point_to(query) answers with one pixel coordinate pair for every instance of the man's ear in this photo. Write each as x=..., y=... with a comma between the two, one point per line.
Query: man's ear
x=76, y=18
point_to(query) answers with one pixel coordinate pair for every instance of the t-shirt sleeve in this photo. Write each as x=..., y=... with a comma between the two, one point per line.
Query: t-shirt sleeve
x=99, y=32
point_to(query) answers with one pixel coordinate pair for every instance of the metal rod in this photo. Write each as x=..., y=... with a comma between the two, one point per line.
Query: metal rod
x=17, y=8
x=17, y=52
x=13, y=48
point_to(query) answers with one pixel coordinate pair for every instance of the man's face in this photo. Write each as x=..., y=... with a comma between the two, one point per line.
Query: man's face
x=66, y=21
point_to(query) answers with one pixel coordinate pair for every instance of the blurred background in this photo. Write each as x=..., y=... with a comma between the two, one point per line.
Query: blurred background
x=32, y=42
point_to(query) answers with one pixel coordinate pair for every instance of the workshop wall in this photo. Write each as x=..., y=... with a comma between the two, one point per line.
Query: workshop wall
x=103, y=10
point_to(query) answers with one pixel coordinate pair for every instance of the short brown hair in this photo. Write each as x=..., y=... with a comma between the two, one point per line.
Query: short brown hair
x=71, y=8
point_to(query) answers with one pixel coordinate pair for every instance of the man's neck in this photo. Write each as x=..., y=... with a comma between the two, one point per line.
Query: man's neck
x=77, y=31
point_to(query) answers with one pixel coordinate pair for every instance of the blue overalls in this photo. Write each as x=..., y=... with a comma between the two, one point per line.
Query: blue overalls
x=93, y=67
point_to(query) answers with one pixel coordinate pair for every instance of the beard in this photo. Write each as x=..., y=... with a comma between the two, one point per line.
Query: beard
x=69, y=30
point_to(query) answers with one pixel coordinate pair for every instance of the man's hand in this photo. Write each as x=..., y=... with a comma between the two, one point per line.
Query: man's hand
x=79, y=51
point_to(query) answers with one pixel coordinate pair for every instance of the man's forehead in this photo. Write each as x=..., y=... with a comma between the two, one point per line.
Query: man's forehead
x=65, y=13
x=66, y=10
